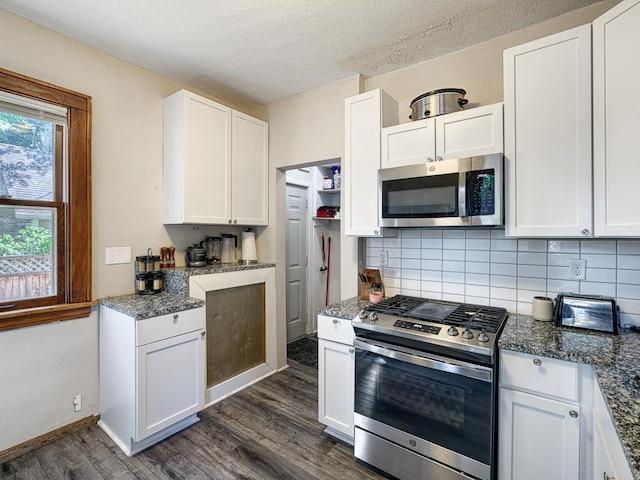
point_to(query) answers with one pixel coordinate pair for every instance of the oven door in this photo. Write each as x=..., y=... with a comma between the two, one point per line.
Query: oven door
x=438, y=407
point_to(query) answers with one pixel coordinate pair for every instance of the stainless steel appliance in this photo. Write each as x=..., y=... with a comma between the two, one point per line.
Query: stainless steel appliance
x=229, y=245
x=426, y=388
x=457, y=192
x=437, y=102
x=213, y=247
x=590, y=312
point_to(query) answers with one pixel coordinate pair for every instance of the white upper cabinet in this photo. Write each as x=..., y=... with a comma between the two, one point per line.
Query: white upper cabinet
x=547, y=112
x=215, y=163
x=365, y=115
x=249, y=169
x=477, y=131
x=616, y=121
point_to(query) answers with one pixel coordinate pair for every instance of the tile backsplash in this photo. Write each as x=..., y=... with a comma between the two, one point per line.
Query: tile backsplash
x=484, y=267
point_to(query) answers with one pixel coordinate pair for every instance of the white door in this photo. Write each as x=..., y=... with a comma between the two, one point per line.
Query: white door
x=170, y=384
x=616, y=120
x=336, y=368
x=538, y=438
x=547, y=136
x=296, y=261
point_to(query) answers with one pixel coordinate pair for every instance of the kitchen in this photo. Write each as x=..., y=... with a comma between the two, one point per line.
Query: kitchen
x=117, y=87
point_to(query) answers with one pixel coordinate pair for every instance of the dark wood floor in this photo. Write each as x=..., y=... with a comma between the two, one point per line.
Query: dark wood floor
x=268, y=431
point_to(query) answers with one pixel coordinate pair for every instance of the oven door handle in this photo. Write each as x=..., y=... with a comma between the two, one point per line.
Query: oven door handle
x=421, y=359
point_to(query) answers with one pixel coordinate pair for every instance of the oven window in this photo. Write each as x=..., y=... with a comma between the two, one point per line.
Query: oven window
x=447, y=409
x=422, y=197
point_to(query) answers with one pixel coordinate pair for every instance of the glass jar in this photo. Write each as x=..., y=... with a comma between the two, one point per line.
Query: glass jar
x=376, y=293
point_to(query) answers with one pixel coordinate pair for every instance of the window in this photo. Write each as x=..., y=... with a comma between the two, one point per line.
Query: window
x=45, y=202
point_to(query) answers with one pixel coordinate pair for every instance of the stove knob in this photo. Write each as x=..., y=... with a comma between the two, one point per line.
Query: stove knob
x=362, y=315
x=373, y=317
x=483, y=337
x=453, y=331
x=467, y=334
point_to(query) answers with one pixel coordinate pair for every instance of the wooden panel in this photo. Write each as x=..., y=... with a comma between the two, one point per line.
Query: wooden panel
x=235, y=331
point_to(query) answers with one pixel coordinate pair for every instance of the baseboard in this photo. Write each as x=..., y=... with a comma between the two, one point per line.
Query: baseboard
x=29, y=445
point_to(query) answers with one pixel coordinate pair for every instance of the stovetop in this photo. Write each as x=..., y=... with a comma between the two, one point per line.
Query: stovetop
x=449, y=325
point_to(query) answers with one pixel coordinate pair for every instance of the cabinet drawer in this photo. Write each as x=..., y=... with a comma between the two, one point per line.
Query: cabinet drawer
x=542, y=375
x=335, y=329
x=166, y=326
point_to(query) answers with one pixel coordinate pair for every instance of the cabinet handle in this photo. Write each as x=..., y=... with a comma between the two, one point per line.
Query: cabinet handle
x=375, y=232
x=573, y=414
x=438, y=158
x=351, y=350
x=429, y=159
x=335, y=321
x=203, y=334
x=605, y=476
x=175, y=316
x=235, y=221
x=229, y=220
x=537, y=362
x=585, y=231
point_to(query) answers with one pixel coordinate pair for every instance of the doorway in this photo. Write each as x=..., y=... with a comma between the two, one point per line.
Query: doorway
x=296, y=246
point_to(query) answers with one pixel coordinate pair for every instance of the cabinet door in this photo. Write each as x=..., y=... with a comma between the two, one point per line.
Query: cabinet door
x=477, y=131
x=365, y=115
x=602, y=463
x=197, y=160
x=170, y=382
x=616, y=121
x=336, y=366
x=250, y=171
x=538, y=438
x=547, y=125
x=409, y=143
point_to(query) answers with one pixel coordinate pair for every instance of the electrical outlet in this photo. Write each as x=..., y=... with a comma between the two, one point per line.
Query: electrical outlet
x=77, y=403
x=578, y=269
x=384, y=258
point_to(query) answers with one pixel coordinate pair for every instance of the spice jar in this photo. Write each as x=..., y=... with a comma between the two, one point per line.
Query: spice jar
x=376, y=293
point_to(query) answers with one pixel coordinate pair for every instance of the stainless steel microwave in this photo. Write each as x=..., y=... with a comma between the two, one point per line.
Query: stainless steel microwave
x=447, y=193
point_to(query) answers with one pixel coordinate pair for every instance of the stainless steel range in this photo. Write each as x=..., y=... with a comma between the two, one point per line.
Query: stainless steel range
x=426, y=388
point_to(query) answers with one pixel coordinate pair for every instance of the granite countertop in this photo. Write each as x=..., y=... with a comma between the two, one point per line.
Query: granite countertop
x=614, y=358
x=176, y=280
x=345, y=309
x=145, y=306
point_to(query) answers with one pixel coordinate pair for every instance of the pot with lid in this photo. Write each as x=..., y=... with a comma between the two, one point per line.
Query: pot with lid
x=437, y=102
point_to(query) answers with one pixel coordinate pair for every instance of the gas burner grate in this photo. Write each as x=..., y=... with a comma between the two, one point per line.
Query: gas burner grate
x=396, y=305
x=477, y=317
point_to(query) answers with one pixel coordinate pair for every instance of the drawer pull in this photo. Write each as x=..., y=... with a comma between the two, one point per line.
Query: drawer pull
x=573, y=414
x=537, y=362
x=605, y=476
x=335, y=321
x=175, y=316
x=351, y=350
x=203, y=334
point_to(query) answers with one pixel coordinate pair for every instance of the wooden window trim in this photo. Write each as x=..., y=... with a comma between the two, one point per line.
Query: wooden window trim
x=77, y=216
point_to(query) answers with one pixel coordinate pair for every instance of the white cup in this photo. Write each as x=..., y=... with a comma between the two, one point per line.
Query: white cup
x=542, y=309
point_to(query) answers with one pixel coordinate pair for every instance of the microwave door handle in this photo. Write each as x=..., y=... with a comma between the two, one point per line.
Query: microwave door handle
x=462, y=194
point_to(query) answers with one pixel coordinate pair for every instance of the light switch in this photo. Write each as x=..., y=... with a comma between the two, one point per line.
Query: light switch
x=118, y=255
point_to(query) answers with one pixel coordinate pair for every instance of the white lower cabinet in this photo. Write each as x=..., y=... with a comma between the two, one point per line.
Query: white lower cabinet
x=553, y=422
x=609, y=460
x=539, y=426
x=539, y=437
x=152, y=375
x=336, y=383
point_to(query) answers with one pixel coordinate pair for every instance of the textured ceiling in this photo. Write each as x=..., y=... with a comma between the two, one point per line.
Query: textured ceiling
x=263, y=51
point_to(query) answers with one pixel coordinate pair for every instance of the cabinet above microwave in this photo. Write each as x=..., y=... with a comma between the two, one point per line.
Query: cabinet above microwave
x=472, y=132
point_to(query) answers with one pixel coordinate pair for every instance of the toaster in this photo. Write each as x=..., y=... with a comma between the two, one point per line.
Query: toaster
x=590, y=312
